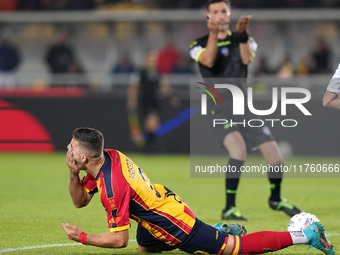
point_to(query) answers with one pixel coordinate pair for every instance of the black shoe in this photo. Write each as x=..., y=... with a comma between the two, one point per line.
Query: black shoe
x=232, y=214
x=285, y=206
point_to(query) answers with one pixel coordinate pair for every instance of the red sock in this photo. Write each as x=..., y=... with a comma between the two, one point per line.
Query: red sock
x=265, y=241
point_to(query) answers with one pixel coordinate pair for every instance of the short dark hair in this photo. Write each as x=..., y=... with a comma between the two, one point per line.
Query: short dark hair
x=90, y=138
x=217, y=1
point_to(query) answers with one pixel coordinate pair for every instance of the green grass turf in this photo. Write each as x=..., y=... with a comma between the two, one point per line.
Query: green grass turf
x=34, y=200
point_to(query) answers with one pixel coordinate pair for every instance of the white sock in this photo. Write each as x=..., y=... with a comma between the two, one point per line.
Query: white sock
x=298, y=237
x=337, y=72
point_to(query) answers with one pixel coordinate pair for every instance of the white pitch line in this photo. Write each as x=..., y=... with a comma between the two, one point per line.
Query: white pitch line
x=45, y=246
x=72, y=244
x=38, y=247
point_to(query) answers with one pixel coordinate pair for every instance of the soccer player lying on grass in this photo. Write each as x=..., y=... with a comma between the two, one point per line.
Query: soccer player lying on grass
x=165, y=220
x=331, y=99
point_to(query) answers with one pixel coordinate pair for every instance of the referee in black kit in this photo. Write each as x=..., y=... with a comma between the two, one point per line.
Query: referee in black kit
x=226, y=54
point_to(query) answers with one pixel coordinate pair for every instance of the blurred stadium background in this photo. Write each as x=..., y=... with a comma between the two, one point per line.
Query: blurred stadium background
x=40, y=107
x=107, y=40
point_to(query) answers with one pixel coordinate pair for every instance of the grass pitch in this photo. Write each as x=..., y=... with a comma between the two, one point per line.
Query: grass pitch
x=34, y=201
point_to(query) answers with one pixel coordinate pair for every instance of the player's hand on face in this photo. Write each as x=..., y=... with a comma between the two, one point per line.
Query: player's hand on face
x=243, y=23
x=71, y=163
x=71, y=231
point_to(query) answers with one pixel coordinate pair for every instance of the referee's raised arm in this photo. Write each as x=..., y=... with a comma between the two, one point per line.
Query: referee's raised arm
x=245, y=50
x=218, y=19
x=208, y=56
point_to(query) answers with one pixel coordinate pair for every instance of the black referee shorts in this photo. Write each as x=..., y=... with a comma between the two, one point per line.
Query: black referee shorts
x=252, y=127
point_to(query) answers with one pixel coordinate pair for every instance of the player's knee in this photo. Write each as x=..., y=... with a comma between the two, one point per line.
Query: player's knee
x=276, y=161
x=230, y=245
x=142, y=249
x=151, y=249
x=325, y=103
x=239, y=154
x=243, y=154
x=329, y=100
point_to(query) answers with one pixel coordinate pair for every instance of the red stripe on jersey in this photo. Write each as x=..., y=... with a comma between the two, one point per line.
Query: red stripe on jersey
x=171, y=240
x=89, y=182
x=169, y=237
x=189, y=212
x=137, y=198
x=114, y=190
x=224, y=245
x=182, y=225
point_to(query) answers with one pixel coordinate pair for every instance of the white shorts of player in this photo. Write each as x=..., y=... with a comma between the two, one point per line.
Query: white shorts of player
x=334, y=83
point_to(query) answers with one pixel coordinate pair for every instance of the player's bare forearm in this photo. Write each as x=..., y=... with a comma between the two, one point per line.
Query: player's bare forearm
x=107, y=240
x=331, y=100
x=246, y=53
x=78, y=194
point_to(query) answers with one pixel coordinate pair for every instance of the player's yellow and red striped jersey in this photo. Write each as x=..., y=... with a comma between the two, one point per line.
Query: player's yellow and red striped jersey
x=126, y=192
